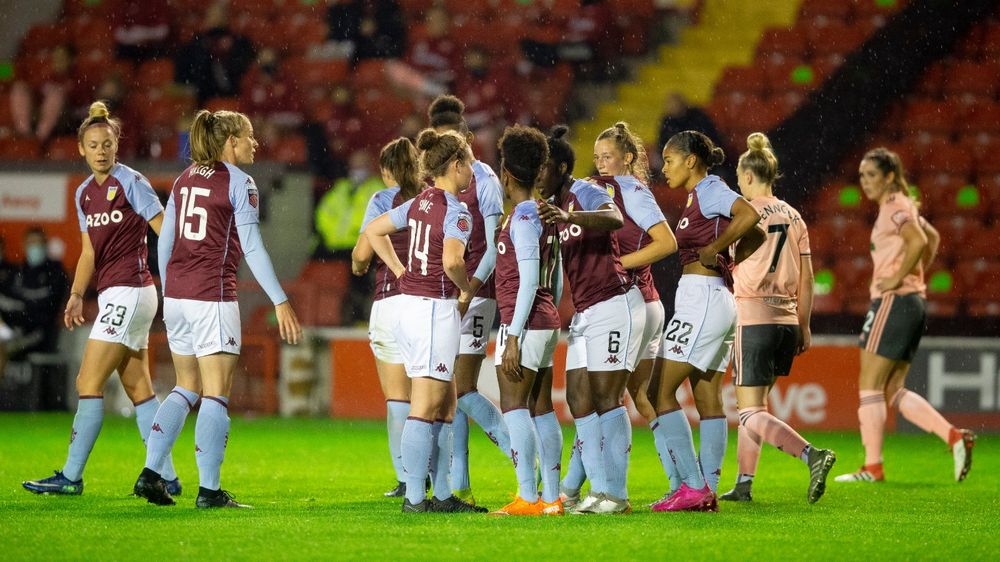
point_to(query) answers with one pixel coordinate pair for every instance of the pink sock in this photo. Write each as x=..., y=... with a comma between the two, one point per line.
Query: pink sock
x=773, y=430
x=747, y=450
x=921, y=414
x=871, y=414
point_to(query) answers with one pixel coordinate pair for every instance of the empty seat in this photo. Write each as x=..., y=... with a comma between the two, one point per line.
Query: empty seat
x=154, y=73
x=785, y=42
x=290, y=149
x=63, y=148
x=20, y=149
x=968, y=77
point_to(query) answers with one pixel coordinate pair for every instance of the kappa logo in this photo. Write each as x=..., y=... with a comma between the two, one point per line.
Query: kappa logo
x=524, y=217
x=425, y=205
x=197, y=449
x=676, y=350
x=441, y=368
x=72, y=436
x=492, y=438
x=110, y=331
x=231, y=341
x=476, y=344
x=156, y=427
x=513, y=457
x=612, y=359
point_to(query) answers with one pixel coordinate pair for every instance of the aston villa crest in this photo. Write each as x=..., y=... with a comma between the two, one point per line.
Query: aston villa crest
x=112, y=191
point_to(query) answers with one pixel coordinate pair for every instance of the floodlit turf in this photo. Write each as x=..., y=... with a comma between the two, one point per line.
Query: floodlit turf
x=317, y=487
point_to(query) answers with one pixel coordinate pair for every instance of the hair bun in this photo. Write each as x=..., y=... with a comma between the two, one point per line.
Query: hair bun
x=758, y=141
x=558, y=131
x=446, y=104
x=718, y=157
x=98, y=110
x=622, y=126
x=427, y=139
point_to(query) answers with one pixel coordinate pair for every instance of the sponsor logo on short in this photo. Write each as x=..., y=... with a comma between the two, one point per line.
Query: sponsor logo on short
x=612, y=359
x=441, y=368
x=231, y=341
x=110, y=331
x=476, y=344
x=677, y=350
x=513, y=457
x=156, y=427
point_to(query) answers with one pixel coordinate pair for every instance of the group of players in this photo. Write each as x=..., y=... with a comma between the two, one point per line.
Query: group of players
x=447, y=259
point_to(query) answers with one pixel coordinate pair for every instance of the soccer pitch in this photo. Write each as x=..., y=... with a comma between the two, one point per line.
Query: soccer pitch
x=317, y=488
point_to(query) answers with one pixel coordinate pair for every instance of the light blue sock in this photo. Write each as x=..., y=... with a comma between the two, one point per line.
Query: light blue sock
x=395, y=416
x=522, y=443
x=416, y=445
x=488, y=417
x=211, y=434
x=86, y=428
x=167, y=425
x=676, y=434
x=575, y=475
x=442, y=435
x=550, y=444
x=668, y=465
x=714, y=433
x=145, y=411
x=460, y=451
x=617, y=431
x=591, y=444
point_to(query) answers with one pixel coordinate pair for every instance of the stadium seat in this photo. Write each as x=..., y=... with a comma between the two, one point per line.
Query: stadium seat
x=312, y=72
x=63, y=148
x=838, y=38
x=748, y=80
x=222, y=103
x=784, y=42
x=945, y=157
x=6, y=119
x=290, y=149
x=985, y=118
x=370, y=74
x=869, y=8
x=827, y=9
x=969, y=77
x=44, y=37
x=932, y=116
x=301, y=33
x=155, y=73
x=983, y=147
x=20, y=149
x=943, y=295
x=843, y=198
x=827, y=294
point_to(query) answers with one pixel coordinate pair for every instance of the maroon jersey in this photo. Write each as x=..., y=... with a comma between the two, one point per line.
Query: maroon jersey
x=483, y=198
x=590, y=257
x=523, y=236
x=641, y=212
x=208, y=204
x=431, y=217
x=705, y=217
x=386, y=284
x=115, y=217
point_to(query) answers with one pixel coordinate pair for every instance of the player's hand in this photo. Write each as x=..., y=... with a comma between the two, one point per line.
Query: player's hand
x=885, y=284
x=707, y=257
x=288, y=323
x=359, y=268
x=464, y=300
x=805, y=340
x=399, y=271
x=73, y=316
x=550, y=214
x=511, y=360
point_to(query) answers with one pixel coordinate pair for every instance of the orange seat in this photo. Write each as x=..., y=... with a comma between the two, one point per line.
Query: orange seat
x=63, y=148
x=781, y=41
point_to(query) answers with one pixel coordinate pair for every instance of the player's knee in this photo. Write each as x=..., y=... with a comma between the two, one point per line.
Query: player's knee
x=708, y=405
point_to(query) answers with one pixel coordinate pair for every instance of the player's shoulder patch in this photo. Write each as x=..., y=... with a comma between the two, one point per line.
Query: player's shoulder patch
x=252, y=193
x=464, y=223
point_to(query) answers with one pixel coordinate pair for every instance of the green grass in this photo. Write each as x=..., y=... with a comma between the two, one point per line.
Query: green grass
x=317, y=485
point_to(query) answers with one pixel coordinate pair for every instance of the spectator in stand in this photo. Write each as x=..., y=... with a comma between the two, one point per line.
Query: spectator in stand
x=435, y=54
x=52, y=95
x=486, y=91
x=39, y=290
x=141, y=29
x=339, y=216
x=367, y=28
x=216, y=59
x=679, y=116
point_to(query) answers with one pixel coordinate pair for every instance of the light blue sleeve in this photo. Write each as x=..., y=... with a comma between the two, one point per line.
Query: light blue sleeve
x=79, y=210
x=525, y=229
x=591, y=197
x=244, y=196
x=457, y=222
x=400, y=215
x=260, y=262
x=380, y=202
x=640, y=204
x=717, y=200
x=489, y=259
x=165, y=244
x=140, y=195
x=488, y=191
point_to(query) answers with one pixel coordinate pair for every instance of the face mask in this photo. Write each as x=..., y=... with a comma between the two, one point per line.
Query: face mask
x=35, y=255
x=357, y=175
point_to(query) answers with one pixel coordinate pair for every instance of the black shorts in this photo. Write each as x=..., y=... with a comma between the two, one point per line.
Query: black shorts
x=894, y=325
x=764, y=352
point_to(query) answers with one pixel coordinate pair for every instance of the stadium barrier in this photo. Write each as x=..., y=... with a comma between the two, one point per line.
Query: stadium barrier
x=958, y=376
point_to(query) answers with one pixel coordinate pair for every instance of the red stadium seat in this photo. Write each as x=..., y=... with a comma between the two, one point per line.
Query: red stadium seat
x=20, y=149
x=90, y=32
x=990, y=47
x=983, y=147
x=784, y=42
x=945, y=158
x=370, y=74
x=63, y=148
x=984, y=118
x=44, y=37
x=155, y=73
x=309, y=72
x=223, y=103
x=931, y=81
x=6, y=119
x=931, y=116
x=839, y=38
x=828, y=9
x=748, y=80
x=869, y=8
x=290, y=149
x=301, y=33
x=967, y=77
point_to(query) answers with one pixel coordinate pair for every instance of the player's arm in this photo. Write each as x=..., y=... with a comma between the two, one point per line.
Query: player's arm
x=933, y=243
x=73, y=315
x=749, y=243
x=165, y=244
x=805, y=302
x=262, y=269
x=606, y=217
x=156, y=223
x=377, y=232
x=914, y=245
x=361, y=255
x=663, y=244
x=489, y=260
x=453, y=261
x=744, y=218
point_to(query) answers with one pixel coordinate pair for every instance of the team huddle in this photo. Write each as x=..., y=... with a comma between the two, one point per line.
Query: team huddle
x=447, y=259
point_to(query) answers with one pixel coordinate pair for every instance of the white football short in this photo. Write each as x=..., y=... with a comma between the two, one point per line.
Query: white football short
x=652, y=330
x=703, y=327
x=537, y=347
x=125, y=315
x=476, y=326
x=202, y=328
x=380, y=334
x=601, y=337
x=427, y=332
